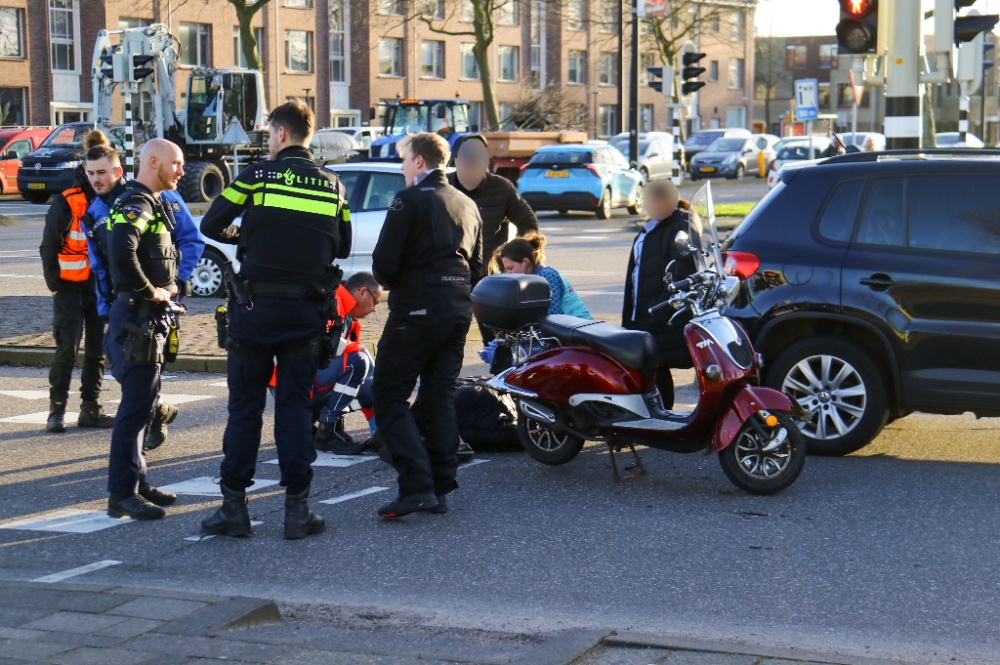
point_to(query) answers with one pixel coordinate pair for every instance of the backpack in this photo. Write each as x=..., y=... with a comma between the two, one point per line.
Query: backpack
x=486, y=419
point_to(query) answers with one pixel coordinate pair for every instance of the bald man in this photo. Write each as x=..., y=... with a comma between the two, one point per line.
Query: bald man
x=142, y=257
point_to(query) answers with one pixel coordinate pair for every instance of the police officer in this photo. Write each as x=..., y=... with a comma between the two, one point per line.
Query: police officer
x=295, y=224
x=143, y=263
x=429, y=254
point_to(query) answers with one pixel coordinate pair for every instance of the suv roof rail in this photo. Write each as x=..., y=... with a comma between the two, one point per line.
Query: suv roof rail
x=855, y=157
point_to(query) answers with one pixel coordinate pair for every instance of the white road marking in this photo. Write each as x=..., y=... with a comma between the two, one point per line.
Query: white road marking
x=355, y=495
x=69, y=520
x=40, y=418
x=73, y=572
x=198, y=537
x=23, y=276
x=338, y=461
x=174, y=399
x=26, y=394
x=478, y=460
x=208, y=486
x=19, y=251
x=220, y=384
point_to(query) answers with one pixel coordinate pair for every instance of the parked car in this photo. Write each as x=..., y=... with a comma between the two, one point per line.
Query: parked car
x=51, y=167
x=795, y=151
x=700, y=140
x=371, y=187
x=849, y=138
x=363, y=135
x=656, y=153
x=580, y=177
x=15, y=144
x=730, y=158
x=951, y=140
x=329, y=146
x=870, y=288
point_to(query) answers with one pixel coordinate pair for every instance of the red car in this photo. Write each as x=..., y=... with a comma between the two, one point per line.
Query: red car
x=15, y=143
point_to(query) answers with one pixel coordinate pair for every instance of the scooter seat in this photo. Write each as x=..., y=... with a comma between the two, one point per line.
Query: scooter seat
x=632, y=348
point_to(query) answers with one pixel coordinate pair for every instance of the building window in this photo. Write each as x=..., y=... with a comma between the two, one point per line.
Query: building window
x=577, y=67
x=466, y=13
x=609, y=69
x=507, y=11
x=301, y=4
x=795, y=56
x=432, y=8
x=13, y=109
x=238, y=58
x=11, y=35
x=432, y=59
x=536, y=28
x=609, y=16
x=577, y=115
x=61, y=35
x=298, y=50
x=575, y=15
x=509, y=58
x=645, y=118
x=824, y=95
x=845, y=95
x=338, y=67
x=196, y=44
x=646, y=61
x=470, y=68
x=713, y=70
x=506, y=111
x=390, y=56
x=736, y=117
x=714, y=23
x=390, y=7
x=477, y=116
x=125, y=23
x=308, y=101
x=735, y=73
x=607, y=120
x=737, y=26
x=828, y=56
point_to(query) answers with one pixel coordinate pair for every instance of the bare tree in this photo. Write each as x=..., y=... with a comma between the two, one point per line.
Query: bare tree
x=771, y=72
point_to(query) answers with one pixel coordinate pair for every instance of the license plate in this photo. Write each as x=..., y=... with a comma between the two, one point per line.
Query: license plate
x=36, y=185
x=557, y=174
x=707, y=169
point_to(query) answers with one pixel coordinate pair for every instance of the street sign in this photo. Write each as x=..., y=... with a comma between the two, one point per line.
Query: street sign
x=652, y=7
x=806, y=99
x=234, y=134
x=856, y=89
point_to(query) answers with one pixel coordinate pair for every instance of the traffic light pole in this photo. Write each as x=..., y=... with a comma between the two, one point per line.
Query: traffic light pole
x=902, y=80
x=633, y=90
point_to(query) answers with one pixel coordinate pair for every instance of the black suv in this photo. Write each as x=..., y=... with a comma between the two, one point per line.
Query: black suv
x=872, y=288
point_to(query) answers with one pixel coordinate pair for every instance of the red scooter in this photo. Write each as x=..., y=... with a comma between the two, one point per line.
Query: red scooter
x=576, y=380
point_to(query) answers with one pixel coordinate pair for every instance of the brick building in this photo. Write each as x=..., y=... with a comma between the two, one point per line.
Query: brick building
x=344, y=56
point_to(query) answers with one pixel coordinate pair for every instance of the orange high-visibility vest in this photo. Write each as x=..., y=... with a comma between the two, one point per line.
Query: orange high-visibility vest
x=74, y=263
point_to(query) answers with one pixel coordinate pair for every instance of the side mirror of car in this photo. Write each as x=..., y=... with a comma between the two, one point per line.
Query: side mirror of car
x=372, y=113
x=10, y=154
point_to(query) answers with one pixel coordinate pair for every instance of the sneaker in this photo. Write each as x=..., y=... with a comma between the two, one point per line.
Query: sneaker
x=405, y=505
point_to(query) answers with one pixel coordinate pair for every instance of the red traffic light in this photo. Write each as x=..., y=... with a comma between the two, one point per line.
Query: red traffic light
x=858, y=8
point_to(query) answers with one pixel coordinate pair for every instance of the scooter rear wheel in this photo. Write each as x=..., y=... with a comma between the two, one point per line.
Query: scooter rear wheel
x=544, y=445
x=759, y=471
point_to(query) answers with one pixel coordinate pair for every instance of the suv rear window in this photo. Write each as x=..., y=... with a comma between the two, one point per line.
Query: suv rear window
x=562, y=157
x=837, y=222
x=959, y=213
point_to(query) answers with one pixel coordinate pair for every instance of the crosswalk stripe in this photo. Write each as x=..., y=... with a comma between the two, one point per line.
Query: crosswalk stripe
x=355, y=495
x=73, y=572
x=208, y=486
x=68, y=520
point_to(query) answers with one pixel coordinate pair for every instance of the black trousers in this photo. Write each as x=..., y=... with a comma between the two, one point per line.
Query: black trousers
x=282, y=328
x=432, y=352
x=75, y=311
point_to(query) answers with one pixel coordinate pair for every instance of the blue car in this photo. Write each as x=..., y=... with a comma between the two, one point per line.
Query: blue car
x=580, y=177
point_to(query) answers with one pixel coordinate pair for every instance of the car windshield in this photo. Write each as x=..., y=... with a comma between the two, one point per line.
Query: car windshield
x=726, y=145
x=3, y=142
x=701, y=139
x=562, y=157
x=66, y=136
x=203, y=106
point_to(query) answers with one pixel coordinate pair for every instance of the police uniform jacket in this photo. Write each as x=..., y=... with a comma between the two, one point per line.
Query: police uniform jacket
x=429, y=253
x=141, y=250
x=296, y=220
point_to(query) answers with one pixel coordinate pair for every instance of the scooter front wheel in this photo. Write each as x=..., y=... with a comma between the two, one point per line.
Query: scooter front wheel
x=543, y=444
x=764, y=464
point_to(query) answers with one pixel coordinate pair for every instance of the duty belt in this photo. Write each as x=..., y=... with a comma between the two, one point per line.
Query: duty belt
x=284, y=290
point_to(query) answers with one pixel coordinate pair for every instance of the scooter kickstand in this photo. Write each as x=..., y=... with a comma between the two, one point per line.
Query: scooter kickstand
x=614, y=463
x=638, y=463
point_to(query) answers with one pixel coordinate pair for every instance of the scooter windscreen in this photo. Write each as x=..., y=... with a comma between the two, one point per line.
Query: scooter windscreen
x=704, y=236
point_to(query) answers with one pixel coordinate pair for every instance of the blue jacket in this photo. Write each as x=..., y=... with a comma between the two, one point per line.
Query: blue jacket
x=185, y=234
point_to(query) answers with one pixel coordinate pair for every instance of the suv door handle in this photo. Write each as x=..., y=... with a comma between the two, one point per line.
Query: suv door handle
x=878, y=282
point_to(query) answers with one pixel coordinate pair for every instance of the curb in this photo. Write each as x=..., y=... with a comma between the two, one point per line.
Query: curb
x=42, y=357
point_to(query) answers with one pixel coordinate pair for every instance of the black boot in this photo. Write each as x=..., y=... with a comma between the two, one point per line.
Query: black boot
x=133, y=505
x=156, y=496
x=156, y=433
x=442, y=506
x=299, y=520
x=465, y=452
x=91, y=415
x=325, y=434
x=57, y=410
x=232, y=518
x=405, y=505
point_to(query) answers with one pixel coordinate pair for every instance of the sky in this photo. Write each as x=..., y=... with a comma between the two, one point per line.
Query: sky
x=794, y=18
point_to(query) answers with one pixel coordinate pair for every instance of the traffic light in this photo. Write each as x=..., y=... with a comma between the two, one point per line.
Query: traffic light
x=857, y=31
x=655, y=78
x=141, y=67
x=691, y=72
x=107, y=66
x=967, y=27
x=987, y=58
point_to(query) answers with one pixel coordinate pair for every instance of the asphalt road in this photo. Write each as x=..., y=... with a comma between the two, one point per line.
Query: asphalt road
x=890, y=552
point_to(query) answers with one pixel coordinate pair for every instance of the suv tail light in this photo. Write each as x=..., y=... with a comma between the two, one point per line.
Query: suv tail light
x=774, y=166
x=741, y=264
x=593, y=169
x=524, y=166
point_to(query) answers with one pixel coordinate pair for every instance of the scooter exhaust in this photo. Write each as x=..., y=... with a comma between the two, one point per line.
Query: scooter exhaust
x=538, y=412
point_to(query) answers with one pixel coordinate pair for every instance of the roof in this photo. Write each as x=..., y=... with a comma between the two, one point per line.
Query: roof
x=567, y=146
